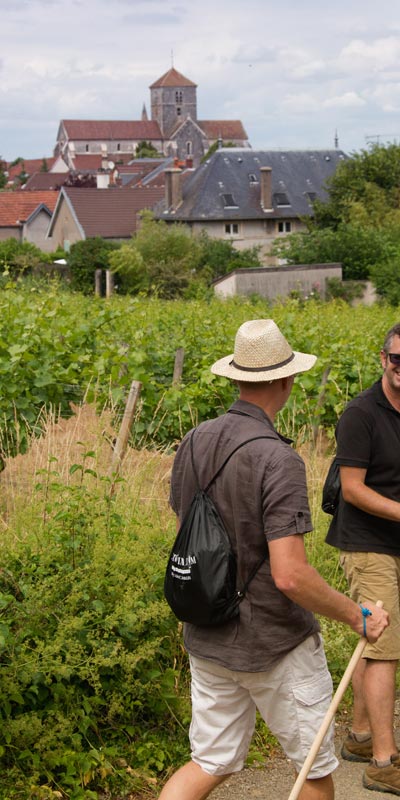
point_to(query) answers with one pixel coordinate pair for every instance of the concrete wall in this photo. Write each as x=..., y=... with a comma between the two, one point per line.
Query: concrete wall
x=275, y=282
x=65, y=228
x=35, y=232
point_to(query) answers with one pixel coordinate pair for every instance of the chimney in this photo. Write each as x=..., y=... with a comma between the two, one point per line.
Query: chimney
x=266, y=188
x=173, y=189
x=103, y=180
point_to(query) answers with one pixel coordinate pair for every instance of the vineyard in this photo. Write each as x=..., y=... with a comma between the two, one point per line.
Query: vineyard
x=93, y=678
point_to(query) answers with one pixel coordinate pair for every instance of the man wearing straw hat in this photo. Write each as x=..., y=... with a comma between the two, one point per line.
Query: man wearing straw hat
x=270, y=656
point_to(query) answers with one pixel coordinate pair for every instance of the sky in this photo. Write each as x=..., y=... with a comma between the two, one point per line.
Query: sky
x=294, y=72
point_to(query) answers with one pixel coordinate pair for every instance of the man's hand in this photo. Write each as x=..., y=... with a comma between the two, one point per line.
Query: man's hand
x=375, y=624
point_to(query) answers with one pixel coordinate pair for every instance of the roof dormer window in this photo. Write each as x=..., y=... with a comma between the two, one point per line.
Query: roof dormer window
x=229, y=201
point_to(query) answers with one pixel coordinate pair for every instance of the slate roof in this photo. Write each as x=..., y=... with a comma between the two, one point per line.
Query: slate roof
x=17, y=207
x=82, y=130
x=172, y=78
x=110, y=213
x=227, y=186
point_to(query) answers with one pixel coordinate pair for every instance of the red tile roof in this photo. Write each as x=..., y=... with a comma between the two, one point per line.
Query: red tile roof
x=93, y=161
x=227, y=129
x=51, y=181
x=29, y=166
x=79, y=129
x=111, y=213
x=172, y=78
x=16, y=207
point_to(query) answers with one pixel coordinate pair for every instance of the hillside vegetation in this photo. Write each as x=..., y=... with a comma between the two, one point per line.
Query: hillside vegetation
x=93, y=678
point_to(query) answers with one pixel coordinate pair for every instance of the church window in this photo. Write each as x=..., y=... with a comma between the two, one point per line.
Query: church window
x=178, y=111
x=178, y=97
x=189, y=148
x=87, y=148
x=118, y=146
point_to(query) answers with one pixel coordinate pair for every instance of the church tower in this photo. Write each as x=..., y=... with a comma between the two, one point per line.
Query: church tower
x=173, y=99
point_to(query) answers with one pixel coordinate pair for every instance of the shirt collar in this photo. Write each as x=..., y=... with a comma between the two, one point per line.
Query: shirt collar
x=256, y=412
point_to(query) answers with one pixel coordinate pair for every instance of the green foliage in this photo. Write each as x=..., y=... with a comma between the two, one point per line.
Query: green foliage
x=3, y=176
x=358, y=249
x=18, y=257
x=83, y=260
x=92, y=679
x=368, y=179
x=218, y=257
x=160, y=258
x=146, y=150
x=386, y=278
x=213, y=149
x=166, y=260
x=56, y=346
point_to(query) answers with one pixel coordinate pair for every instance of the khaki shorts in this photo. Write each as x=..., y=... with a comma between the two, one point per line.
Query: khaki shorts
x=292, y=698
x=372, y=577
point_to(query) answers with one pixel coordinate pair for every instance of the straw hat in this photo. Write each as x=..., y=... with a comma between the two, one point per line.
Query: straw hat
x=262, y=354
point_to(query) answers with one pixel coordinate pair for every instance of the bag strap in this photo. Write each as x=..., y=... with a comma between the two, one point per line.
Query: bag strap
x=224, y=463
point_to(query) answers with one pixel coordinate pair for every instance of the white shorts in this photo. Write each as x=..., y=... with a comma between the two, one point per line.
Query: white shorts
x=292, y=698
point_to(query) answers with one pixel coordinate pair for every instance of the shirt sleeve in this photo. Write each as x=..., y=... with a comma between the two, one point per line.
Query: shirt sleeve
x=353, y=435
x=285, y=502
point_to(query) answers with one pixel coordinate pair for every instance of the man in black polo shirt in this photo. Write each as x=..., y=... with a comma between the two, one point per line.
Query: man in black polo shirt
x=366, y=528
x=270, y=656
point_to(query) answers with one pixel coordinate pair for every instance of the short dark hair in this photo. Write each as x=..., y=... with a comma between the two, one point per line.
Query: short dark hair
x=395, y=331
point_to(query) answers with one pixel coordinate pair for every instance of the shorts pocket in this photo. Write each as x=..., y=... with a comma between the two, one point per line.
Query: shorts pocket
x=312, y=692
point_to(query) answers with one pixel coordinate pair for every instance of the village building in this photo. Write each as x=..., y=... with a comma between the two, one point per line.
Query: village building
x=173, y=130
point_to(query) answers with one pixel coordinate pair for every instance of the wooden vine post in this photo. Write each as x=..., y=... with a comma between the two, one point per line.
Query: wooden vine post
x=123, y=436
x=178, y=366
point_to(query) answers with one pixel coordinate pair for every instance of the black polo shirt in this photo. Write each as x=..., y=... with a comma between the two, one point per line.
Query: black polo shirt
x=368, y=437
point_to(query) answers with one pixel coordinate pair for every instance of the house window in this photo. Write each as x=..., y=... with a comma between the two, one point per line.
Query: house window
x=229, y=201
x=284, y=227
x=281, y=199
x=232, y=228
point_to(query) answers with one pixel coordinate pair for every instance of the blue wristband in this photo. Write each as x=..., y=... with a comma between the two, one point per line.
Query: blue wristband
x=366, y=613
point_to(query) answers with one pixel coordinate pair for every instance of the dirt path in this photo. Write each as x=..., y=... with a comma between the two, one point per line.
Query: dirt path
x=276, y=779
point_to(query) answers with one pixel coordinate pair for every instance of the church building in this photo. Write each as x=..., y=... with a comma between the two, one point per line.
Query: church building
x=173, y=130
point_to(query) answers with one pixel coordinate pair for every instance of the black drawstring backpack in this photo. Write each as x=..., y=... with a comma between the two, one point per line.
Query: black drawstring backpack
x=200, y=579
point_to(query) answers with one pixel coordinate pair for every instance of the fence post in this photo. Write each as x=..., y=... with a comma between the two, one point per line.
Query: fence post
x=109, y=283
x=178, y=366
x=97, y=282
x=123, y=436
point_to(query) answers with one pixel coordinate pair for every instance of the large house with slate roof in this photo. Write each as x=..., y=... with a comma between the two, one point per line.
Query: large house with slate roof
x=250, y=197
x=174, y=128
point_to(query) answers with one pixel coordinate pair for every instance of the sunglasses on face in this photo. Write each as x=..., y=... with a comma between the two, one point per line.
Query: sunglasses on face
x=394, y=358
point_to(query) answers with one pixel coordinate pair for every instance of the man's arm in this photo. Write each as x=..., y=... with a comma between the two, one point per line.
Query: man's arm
x=299, y=581
x=355, y=491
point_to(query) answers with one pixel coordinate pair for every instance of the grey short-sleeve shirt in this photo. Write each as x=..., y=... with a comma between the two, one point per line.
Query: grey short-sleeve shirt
x=261, y=495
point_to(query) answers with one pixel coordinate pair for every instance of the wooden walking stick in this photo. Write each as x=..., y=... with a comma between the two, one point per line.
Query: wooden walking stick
x=302, y=776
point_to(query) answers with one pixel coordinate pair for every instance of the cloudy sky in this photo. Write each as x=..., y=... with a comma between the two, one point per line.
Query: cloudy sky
x=294, y=72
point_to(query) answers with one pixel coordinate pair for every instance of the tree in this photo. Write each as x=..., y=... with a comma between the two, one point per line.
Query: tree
x=219, y=256
x=369, y=179
x=83, y=260
x=3, y=176
x=355, y=247
x=160, y=258
x=146, y=150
